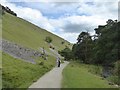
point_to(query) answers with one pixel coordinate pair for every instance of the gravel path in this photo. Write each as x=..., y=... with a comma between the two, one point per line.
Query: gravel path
x=51, y=79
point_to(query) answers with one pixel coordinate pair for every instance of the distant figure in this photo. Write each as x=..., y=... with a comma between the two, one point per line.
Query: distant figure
x=58, y=61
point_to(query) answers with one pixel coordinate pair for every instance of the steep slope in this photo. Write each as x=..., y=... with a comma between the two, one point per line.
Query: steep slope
x=27, y=34
x=15, y=72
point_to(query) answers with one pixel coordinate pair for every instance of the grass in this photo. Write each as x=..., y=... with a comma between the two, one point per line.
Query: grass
x=0, y=69
x=19, y=74
x=0, y=79
x=27, y=34
x=77, y=76
x=0, y=59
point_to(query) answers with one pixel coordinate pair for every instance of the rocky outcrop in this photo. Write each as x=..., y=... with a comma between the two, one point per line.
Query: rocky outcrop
x=20, y=52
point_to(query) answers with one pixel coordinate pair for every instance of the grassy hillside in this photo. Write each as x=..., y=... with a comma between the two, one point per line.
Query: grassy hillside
x=15, y=72
x=19, y=74
x=26, y=34
x=0, y=69
x=0, y=59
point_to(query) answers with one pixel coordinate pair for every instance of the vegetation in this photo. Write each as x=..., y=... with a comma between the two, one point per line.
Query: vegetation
x=0, y=70
x=115, y=77
x=62, y=42
x=48, y=39
x=28, y=35
x=19, y=74
x=66, y=53
x=7, y=9
x=76, y=75
x=0, y=59
x=101, y=49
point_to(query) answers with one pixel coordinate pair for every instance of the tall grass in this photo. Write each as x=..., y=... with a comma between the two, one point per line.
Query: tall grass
x=95, y=69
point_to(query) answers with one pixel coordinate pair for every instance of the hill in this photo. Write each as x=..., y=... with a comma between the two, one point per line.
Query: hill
x=29, y=35
x=15, y=72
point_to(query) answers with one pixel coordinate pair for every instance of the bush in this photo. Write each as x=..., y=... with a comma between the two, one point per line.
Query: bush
x=48, y=39
x=66, y=53
x=95, y=69
x=114, y=79
x=62, y=42
x=41, y=63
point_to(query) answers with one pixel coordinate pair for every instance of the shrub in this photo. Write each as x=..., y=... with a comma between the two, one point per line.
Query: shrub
x=114, y=79
x=66, y=53
x=62, y=42
x=41, y=63
x=95, y=69
x=48, y=39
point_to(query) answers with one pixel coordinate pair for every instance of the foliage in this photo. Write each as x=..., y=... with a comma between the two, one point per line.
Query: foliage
x=103, y=48
x=114, y=79
x=106, y=46
x=48, y=39
x=66, y=53
x=95, y=69
x=83, y=48
x=7, y=9
x=62, y=42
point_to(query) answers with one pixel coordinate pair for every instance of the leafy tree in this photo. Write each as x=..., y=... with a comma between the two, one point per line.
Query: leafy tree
x=83, y=48
x=106, y=48
x=66, y=53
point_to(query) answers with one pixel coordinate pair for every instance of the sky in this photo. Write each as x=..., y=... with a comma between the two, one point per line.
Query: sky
x=65, y=18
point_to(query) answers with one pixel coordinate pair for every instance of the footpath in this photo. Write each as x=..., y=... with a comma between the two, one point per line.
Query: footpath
x=52, y=79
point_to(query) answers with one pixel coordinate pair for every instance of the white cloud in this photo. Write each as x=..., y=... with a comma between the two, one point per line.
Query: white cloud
x=62, y=0
x=69, y=26
x=103, y=9
x=76, y=24
x=32, y=15
x=72, y=37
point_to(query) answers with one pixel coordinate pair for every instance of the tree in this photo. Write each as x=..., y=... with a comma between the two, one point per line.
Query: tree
x=106, y=48
x=83, y=48
x=66, y=53
x=48, y=39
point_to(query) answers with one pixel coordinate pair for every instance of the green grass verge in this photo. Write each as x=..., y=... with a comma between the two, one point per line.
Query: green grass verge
x=76, y=75
x=0, y=79
x=0, y=59
x=0, y=70
x=19, y=74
